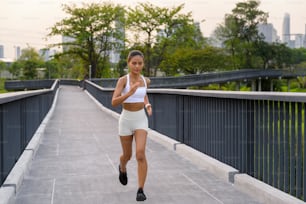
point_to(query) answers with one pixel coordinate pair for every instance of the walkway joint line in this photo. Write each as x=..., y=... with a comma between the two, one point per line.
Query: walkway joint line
x=203, y=189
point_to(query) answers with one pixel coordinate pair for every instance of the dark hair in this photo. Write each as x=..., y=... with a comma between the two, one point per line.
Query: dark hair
x=134, y=53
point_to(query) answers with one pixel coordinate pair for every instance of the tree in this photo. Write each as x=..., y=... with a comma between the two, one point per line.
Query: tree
x=226, y=33
x=15, y=69
x=178, y=31
x=93, y=32
x=275, y=55
x=282, y=57
x=68, y=67
x=191, y=61
x=52, y=69
x=29, y=61
x=2, y=66
x=240, y=32
x=162, y=28
x=145, y=18
x=298, y=55
x=266, y=52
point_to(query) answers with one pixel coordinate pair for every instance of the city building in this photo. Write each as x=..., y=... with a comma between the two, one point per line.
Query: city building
x=5, y=74
x=304, y=41
x=299, y=41
x=118, y=44
x=66, y=39
x=286, y=29
x=269, y=32
x=1, y=51
x=17, y=52
x=47, y=54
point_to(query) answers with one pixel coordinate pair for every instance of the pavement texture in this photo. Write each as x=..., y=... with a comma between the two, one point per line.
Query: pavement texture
x=77, y=163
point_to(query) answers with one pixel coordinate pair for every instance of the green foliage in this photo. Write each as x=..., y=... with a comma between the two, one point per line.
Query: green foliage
x=274, y=55
x=298, y=90
x=2, y=89
x=301, y=65
x=170, y=39
x=239, y=32
x=91, y=29
x=302, y=81
x=240, y=37
x=28, y=63
x=282, y=56
x=29, y=69
x=2, y=66
x=15, y=69
x=106, y=71
x=299, y=57
x=146, y=19
x=68, y=67
x=230, y=86
x=190, y=61
x=165, y=30
x=52, y=69
x=294, y=84
x=245, y=88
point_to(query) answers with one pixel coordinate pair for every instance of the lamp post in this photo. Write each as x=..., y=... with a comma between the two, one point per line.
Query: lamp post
x=89, y=74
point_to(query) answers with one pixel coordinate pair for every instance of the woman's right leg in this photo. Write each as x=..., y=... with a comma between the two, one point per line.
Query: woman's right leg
x=126, y=143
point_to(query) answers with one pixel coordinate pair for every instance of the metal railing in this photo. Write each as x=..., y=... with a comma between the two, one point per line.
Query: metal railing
x=20, y=85
x=258, y=133
x=213, y=77
x=20, y=115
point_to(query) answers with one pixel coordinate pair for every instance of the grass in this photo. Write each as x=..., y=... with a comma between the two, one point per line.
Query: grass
x=2, y=89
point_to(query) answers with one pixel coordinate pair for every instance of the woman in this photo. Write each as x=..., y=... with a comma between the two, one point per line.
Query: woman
x=131, y=93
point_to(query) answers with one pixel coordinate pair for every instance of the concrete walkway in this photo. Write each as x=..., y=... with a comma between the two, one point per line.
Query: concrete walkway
x=78, y=156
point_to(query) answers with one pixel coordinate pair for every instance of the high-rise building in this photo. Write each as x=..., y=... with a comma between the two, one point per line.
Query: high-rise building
x=17, y=52
x=1, y=51
x=67, y=39
x=304, y=42
x=269, y=32
x=298, y=42
x=286, y=29
x=47, y=54
x=118, y=44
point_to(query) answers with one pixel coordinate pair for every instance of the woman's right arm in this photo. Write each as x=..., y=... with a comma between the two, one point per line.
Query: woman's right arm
x=117, y=98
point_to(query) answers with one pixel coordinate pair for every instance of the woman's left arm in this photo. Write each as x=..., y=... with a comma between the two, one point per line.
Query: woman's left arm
x=147, y=104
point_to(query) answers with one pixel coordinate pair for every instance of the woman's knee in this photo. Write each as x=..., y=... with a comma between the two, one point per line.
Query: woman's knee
x=127, y=156
x=140, y=156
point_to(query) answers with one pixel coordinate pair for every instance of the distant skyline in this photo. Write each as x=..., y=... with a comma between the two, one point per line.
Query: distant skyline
x=25, y=23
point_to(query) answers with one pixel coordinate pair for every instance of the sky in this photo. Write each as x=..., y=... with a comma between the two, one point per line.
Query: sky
x=26, y=23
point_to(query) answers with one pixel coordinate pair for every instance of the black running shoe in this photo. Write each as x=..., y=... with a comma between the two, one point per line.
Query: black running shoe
x=140, y=195
x=123, y=177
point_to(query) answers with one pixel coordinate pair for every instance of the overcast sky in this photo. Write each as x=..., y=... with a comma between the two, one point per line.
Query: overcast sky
x=25, y=22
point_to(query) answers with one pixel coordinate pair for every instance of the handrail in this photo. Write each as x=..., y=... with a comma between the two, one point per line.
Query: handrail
x=212, y=77
x=20, y=115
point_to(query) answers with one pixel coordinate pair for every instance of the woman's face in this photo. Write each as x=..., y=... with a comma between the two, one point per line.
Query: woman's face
x=136, y=64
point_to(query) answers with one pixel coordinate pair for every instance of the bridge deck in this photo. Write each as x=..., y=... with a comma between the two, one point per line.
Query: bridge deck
x=77, y=161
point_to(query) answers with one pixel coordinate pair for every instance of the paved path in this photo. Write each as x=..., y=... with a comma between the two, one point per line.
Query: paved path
x=76, y=163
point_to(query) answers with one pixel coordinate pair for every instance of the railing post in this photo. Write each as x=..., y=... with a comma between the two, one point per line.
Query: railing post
x=253, y=85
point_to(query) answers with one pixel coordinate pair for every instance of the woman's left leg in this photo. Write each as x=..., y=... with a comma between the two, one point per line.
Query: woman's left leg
x=141, y=139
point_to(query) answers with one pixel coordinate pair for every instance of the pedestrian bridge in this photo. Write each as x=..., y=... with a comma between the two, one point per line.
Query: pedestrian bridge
x=200, y=148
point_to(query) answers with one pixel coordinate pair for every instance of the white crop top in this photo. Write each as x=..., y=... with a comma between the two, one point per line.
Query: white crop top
x=139, y=94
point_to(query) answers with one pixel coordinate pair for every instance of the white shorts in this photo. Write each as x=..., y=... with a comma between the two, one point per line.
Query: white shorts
x=129, y=121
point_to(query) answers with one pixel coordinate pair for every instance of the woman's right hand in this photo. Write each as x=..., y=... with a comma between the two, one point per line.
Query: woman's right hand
x=134, y=88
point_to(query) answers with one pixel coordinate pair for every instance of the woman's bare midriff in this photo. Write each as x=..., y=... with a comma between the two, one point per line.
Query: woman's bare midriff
x=133, y=106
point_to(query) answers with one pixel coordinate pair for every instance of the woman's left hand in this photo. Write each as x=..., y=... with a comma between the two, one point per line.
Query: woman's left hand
x=149, y=109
